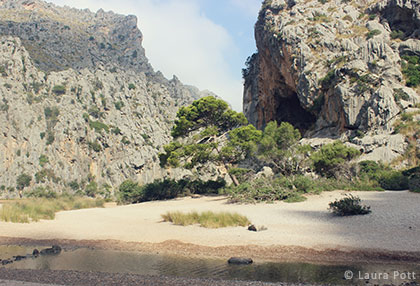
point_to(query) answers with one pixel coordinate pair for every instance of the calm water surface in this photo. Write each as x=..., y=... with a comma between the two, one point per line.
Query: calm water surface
x=146, y=264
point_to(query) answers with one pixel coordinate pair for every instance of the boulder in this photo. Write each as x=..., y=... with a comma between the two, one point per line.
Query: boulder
x=240, y=261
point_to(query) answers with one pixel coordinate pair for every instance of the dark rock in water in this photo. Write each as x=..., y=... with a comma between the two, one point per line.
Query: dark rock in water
x=55, y=249
x=240, y=260
x=252, y=228
x=35, y=252
x=19, y=257
x=5, y=262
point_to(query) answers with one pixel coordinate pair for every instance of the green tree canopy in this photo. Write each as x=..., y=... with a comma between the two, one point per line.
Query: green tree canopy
x=22, y=181
x=204, y=113
x=279, y=147
x=331, y=155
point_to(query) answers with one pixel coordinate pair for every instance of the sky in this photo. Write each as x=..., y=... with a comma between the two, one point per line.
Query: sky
x=204, y=43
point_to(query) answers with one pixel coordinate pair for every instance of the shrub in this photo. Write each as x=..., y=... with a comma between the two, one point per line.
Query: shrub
x=207, y=219
x=130, y=192
x=43, y=160
x=51, y=113
x=119, y=105
x=131, y=86
x=95, y=146
x=397, y=35
x=74, y=185
x=372, y=34
x=411, y=70
x=41, y=192
x=99, y=126
x=59, y=89
x=413, y=175
x=91, y=189
x=241, y=174
x=46, y=174
x=330, y=156
x=22, y=181
x=94, y=111
x=393, y=180
x=50, y=138
x=399, y=94
x=116, y=131
x=350, y=205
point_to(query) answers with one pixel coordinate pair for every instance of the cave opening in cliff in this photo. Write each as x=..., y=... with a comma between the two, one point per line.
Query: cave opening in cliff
x=290, y=110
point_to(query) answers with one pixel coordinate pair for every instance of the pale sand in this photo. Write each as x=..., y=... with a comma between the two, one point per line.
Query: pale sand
x=299, y=230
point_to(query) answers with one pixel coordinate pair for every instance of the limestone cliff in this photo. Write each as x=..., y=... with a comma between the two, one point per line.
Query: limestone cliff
x=333, y=68
x=78, y=99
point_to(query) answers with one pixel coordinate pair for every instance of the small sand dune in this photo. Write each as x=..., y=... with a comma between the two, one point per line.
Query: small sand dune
x=393, y=225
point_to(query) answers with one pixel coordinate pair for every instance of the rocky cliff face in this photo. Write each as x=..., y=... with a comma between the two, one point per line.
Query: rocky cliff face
x=332, y=67
x=78, y=99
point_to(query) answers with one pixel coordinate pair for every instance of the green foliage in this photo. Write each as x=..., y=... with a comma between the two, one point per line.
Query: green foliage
x=22, y=181
x=278, y=147
x=332, y=155
x=131, y=86
x=350, y=205
x=400, y=94
x=328, y=79
x=320, y=17
x=207, y=219
x=125, y=140
x=3, y=72
x=59, y=89
x=50, y=137
x=43, y=160
x=94, y=112
x=372, y=33
x=119, y=104
x=398, y=35
x=95, y=146
x=74, y=185
x=242, y=143
x=289, y=189
x=413, y=176
x=393, y=180
x=51, y=113
x=372, y=17
x=91, y=189
x=116, y=131
x=99, y=126
x=41, y=192
x=205, y=112
x=386, y=178
x=241, y=174
x=131, y=192
x=46, y=175
x=411, y=70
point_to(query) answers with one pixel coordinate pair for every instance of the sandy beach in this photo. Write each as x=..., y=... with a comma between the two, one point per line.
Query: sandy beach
x=304, y=231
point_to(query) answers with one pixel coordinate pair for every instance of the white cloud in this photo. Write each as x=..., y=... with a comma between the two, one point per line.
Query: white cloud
x=180, y=40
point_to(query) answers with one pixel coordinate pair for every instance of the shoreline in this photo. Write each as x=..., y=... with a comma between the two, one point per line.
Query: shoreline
x=298, y=232
x=260, y=254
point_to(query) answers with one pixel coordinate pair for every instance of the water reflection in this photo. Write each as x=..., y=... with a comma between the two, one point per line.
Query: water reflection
x=147, y=264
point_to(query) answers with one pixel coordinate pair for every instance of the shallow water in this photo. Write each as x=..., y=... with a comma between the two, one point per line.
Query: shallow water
x=84, y=259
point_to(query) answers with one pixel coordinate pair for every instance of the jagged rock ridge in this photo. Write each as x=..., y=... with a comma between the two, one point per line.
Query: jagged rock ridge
x=79, y=100
x=331, y=67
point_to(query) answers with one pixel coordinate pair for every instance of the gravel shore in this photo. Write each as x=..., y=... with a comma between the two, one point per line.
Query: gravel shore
x=55, y=278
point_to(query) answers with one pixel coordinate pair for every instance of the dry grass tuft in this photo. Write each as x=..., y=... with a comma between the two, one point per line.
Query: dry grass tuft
x=207, y=219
